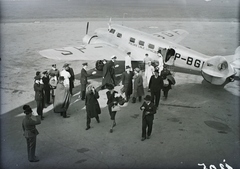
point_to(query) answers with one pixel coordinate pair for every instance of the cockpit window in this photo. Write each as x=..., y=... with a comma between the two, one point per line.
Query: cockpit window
x=112, y=31
x=132, y=40
x=151, y=46
x=119, y=35
x=141, y=43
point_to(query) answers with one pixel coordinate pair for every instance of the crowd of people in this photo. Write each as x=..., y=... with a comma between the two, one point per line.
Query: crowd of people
x=59, y=85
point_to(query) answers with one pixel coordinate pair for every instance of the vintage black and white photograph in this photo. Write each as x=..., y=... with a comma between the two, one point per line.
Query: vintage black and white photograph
x=120, y=84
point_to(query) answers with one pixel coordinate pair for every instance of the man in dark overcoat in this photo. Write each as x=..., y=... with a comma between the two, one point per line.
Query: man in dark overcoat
x=109, y=72
x=155, y=87
x=167, y=84
x=92, y=105
x=71, y=79
x=149, y=110
x=83, y=80
x=127, y=78
x=30, y=132
x=138, y=90
x=39, y=94
x=46, y=88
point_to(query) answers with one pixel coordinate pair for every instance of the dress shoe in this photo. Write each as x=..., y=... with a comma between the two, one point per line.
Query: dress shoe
x=88, y=128
x=35, y=160
x=148, y=137
x=143, y=139
x=66, y=116
x=111, y=130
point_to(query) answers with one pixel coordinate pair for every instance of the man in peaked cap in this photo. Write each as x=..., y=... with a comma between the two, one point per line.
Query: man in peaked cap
x=147, y=117
x=71, y=79
x=30, y=132
x=83, y=80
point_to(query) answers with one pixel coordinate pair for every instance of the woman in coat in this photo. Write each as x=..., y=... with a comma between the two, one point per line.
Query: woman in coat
x=138, y=90
x=112, y=101
x=92, y=105
x=62, y=98
x=127, y=77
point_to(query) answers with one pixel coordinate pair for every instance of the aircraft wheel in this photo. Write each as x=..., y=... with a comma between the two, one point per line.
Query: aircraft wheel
x=99, y=65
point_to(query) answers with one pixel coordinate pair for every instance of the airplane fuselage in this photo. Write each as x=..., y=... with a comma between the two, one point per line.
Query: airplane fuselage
x=139, y=43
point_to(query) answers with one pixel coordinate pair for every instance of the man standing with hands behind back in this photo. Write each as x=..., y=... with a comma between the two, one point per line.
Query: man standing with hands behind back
x=147, y=117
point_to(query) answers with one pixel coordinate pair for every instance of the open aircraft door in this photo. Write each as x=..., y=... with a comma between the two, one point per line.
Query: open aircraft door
x=168, y=56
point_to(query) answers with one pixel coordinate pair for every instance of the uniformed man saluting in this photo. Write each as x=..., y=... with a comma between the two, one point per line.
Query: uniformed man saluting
x=30, y=132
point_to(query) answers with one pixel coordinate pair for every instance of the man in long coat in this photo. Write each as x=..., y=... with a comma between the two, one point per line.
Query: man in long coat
x=127, y=78
x=155, y=86
x=62, y=98
x=71, y=79
x=30, y=132
x=39, y=94
x=109, y=72
x=92, y=105
x=138, y=90
x=46, y=88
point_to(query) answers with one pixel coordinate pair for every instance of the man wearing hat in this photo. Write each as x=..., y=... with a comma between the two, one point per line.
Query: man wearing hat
x=53, y=78
x=109, y=73
x=128, y=60
x=83, y=80
x=167, y=84
x=138, y=90
x=30, y=132
x=46, y=88
x=147, y=117
x=39, y=94
x=127, y=78
x=155, y=86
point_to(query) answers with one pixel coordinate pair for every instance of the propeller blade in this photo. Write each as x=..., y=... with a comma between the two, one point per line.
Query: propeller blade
x=87, y=28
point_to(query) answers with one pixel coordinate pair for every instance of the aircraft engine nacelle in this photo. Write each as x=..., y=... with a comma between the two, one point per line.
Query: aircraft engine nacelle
x=87, y=39
x=99, y=65
x=217, y=70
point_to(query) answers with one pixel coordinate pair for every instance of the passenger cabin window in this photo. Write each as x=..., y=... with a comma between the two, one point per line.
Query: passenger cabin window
x=132, y=40
x=151, y=46
x=141, y=43
x=112, y=31
x=119, y=35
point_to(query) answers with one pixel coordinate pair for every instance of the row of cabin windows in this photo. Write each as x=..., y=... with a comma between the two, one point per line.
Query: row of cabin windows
x=141, y=43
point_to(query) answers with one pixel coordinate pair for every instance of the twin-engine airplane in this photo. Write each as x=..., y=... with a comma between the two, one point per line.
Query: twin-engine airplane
x=118, y=40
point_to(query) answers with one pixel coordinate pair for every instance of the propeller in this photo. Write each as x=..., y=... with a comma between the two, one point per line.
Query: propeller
x=109, y=24
x=87, y=28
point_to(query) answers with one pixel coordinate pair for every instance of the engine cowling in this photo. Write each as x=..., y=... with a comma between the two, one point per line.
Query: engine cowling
x=216, y=70
x=87, y=39
x=99, y=65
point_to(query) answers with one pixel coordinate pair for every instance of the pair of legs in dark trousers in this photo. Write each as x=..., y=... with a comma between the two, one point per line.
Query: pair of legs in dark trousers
x=155, y=97
x=31, y=147
x=89, y=120
x=165, y=92
x=40, y=104
x=146, y=123
x=47, y=96
x=64, y=114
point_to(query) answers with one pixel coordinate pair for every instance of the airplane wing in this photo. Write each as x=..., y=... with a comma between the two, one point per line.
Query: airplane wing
x=84, y=52
x=176, y=35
